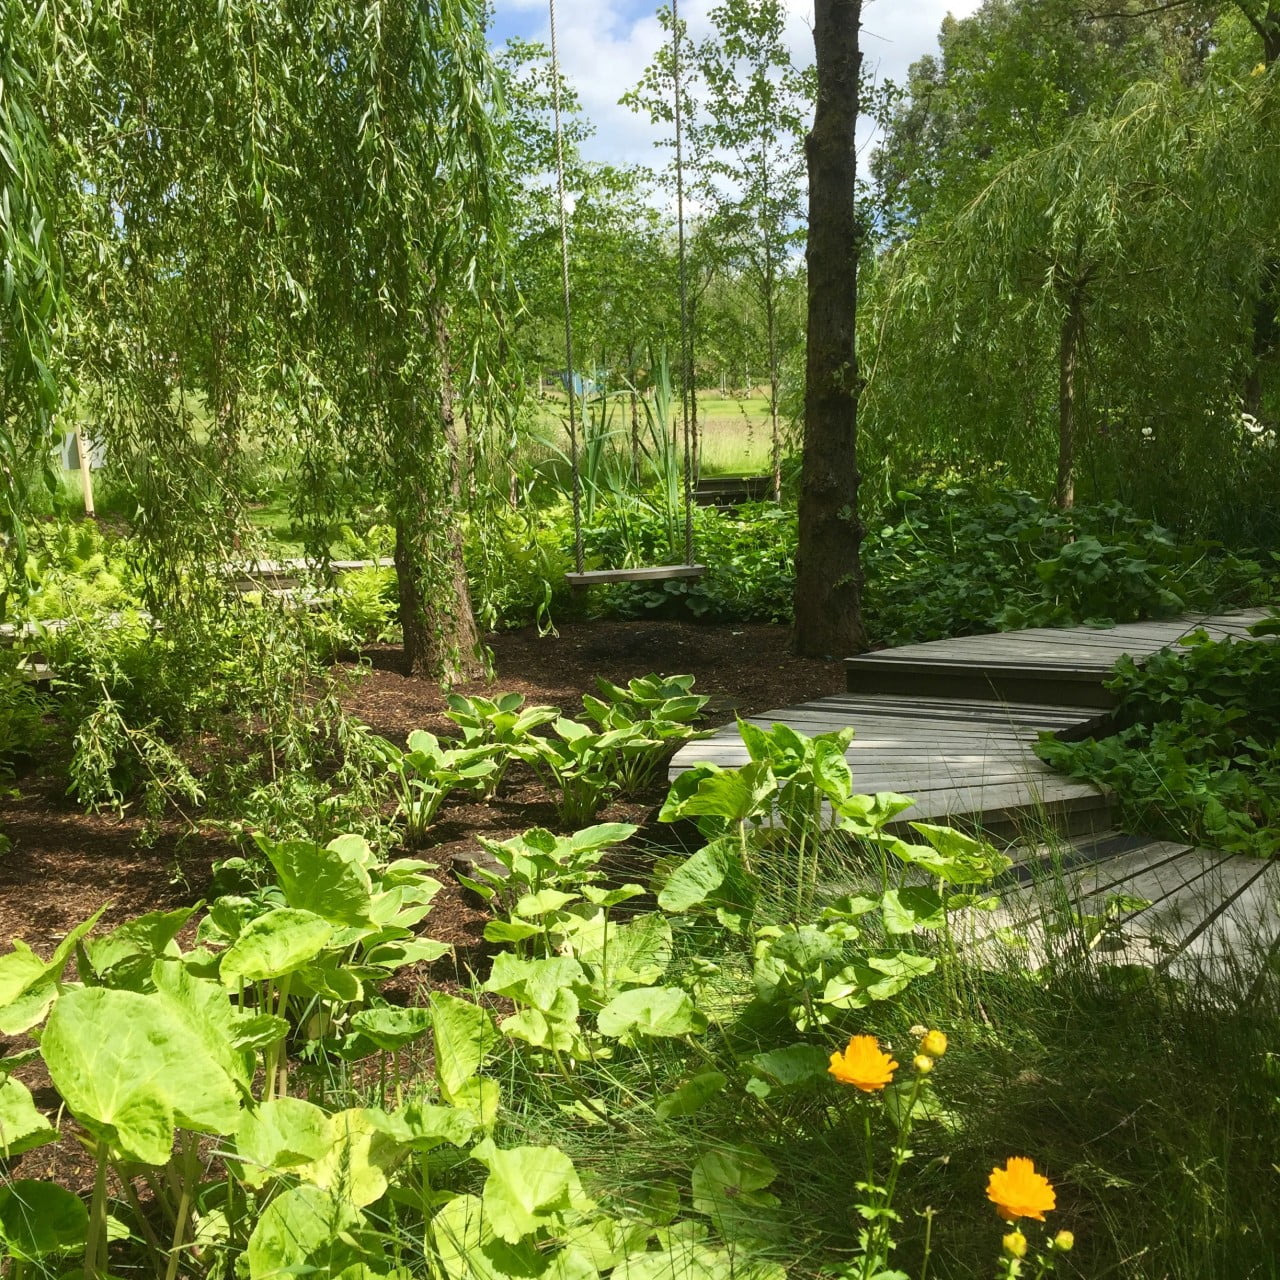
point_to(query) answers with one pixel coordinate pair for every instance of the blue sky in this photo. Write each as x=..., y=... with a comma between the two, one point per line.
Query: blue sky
x=606, y=44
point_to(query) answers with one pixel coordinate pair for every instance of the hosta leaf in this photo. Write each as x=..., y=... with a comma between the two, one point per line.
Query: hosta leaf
x=395, y=955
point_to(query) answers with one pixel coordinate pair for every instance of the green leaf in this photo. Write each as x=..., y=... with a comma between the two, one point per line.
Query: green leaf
x=392, y=1027
x=793, y=1067
x=555, y=1027
x=728, y=1186
x=457, y=1240
x=692, y=1095
x=304, y=1230
x=920, y=907
x=28, y=1010
x=278, y=1136
x=650, y=1011
x=534, y=982
x=22, y=1127
x=733, y=794
x=632, y=954
x=464, y=1037
x=528, y=1188
x=359, y=1156
x=396, y=954
x=129, y=951
x=424, y=1125
x=694, y=880
x=332, y=883
x=128, y=1068
x=279, y=942
x=39, y=1218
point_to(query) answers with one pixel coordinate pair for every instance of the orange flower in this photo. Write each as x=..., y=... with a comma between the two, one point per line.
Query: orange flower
x=863, y=1064
x=1018, y=1191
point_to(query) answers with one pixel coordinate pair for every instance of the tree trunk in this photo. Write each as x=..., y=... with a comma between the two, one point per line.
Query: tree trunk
x=828, y=573
x=440, y=637
x=1266, y=337
x=1068, y=363
x=775, y=430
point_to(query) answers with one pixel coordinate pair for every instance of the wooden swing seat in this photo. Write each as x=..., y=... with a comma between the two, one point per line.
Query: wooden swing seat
x=655, y=573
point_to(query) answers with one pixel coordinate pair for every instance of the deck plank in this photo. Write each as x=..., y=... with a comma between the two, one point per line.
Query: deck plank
x=944, y=729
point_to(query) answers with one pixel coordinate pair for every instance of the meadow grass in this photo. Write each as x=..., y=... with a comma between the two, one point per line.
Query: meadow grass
x=1149, y=1100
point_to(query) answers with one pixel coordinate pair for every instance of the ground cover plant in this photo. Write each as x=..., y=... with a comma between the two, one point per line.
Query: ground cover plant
x=944, y=560
x=1192, y=748
x=765, y=1056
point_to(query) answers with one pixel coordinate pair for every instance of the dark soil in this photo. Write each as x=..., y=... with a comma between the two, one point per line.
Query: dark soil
x=63, y=864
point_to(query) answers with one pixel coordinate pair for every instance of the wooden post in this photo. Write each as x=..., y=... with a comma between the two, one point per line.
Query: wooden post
x=86, y=475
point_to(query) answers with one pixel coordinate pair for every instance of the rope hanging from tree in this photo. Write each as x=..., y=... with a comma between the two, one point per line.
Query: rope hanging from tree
x=580, y=577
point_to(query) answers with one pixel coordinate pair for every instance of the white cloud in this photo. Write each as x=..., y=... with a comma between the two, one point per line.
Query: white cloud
x=606, y=44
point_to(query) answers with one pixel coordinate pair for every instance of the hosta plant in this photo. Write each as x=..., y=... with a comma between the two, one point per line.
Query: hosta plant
x=429, y=771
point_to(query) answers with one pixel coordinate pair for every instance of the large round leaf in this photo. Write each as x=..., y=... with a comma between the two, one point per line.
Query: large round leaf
x=304, y=1231
x=274, y=944
x=650, y=1011
x=40, y=1218
x=129, y=1067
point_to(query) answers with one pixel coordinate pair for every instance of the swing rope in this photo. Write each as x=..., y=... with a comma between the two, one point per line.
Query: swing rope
x=686, y=354
x=689, y=569
x=564, y=279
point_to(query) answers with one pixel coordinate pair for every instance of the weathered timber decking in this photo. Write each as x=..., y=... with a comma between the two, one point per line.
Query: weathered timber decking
x=952, y=723
x=1048, y=665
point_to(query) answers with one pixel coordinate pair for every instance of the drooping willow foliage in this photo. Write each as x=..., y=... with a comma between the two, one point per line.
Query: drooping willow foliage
x=30, y=265
x=269, y=211
x=1092, y=307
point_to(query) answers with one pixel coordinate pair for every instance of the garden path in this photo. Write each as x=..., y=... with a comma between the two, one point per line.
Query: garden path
x=953, y=722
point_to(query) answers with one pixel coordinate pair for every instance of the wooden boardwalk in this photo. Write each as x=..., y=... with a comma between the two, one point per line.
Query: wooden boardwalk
x=952, y=723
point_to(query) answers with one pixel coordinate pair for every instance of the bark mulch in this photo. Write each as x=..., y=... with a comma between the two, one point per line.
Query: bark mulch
x=64, y=864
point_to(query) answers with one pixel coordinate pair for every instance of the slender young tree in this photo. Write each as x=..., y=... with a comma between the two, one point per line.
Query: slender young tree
x=828, y=601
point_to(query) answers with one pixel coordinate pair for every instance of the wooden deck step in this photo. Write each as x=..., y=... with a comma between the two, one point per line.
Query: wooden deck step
x=968, y=763
x=1206, y=913
x=1065, y=666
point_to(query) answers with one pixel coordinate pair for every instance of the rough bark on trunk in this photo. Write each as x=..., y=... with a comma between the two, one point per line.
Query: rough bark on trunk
x=440, y=637
x=1069, y=341
x=775, y=429
x=1265, y=340
x=828, y=573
